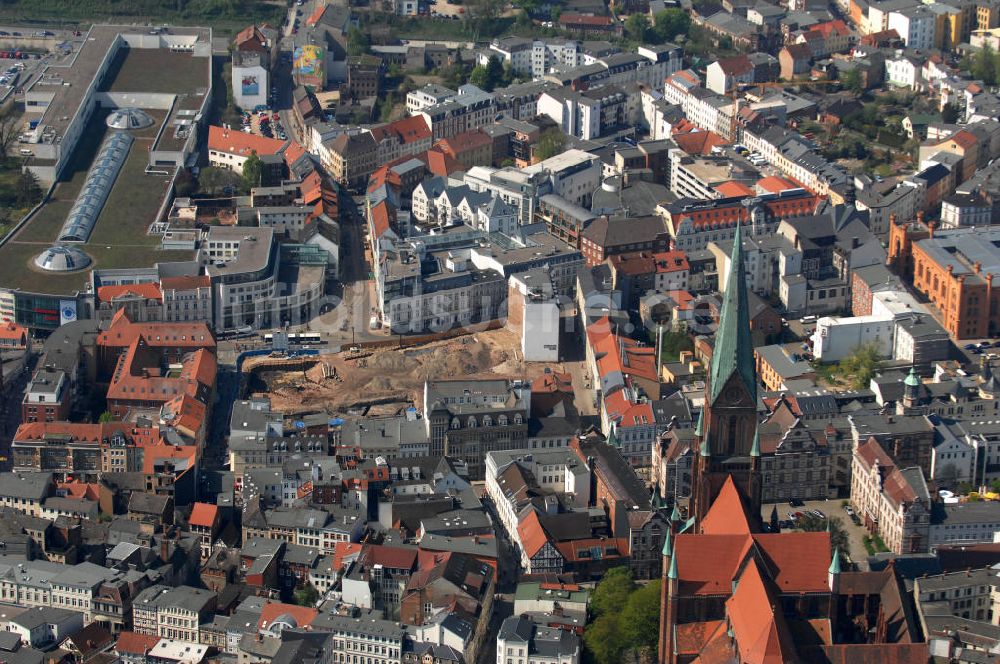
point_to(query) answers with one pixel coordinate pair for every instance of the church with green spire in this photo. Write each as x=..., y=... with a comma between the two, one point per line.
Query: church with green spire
x=727, y=437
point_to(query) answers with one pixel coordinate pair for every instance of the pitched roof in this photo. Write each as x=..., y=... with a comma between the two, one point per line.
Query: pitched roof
x=533, y=537
x=727, y=515
x=204, y=515
x=299, y=616
x=241, y=143
x=733, y=352
x=135, y=643
x=757, y=620
x=733, y=188
x=150, y=291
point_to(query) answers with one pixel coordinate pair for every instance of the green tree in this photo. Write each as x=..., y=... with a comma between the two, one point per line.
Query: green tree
x=478, y=76
x=838, y=536
x=550, y=143
x=358, y=42
x=984, y=65
x=611, y=594
x=862, y=365
x=640, y=619
x=670, y=23
x=636, y=26
x=105, y=417
x=253, y=169
x=307, y=595
x=28, y=191
x=674, y=343
x=603, y=638
x=851, y=80
x=494, y=72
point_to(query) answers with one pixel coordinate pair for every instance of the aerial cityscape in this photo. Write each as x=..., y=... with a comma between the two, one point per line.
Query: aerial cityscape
x=489, y=332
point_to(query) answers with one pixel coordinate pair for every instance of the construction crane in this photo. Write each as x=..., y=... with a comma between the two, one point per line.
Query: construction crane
x=741, y=87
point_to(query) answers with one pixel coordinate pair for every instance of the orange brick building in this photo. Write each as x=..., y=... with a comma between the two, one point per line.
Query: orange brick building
x=954, y=269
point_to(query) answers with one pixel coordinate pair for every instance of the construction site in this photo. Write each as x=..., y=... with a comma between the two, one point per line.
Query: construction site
x=376, y=381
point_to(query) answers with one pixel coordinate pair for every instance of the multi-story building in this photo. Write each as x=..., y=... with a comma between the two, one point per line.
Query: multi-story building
x=589, y=114
x=951, y=268
x=170, y=300
x=467, y=419
x=350, y=159
x=173, y=613
x=520, y=640
x=402, y=138
x=894, y=503
x=246, y=266
x=47, y=397
x=514, y=479
x=361, y=635
x=693, y=224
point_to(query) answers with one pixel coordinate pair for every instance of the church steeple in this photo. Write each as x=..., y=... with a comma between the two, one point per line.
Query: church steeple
x=729, y=444
x=733, y=352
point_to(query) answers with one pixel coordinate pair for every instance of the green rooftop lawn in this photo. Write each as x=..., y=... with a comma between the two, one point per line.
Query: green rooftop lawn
x=157, y=70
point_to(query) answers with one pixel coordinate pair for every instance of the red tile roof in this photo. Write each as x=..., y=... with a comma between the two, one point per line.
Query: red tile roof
x=14, y=331
x=122, y=332
x=727, y=515
x=134, y=643
x=708, y=563
x=671, y=261
x=147, y=291
x=406, y=131
x=87, y=432
x=964, y=139
x=698, y=142
x=302, y=615
x=380, y=219
x=583, y=549
x=835, y=28
x=396, y=557
x=464, y=142
x=204, y=515
x=184, y=456
x=757, y=620
x=343, y=551
x=774, y=184
x=241, y=143
x=733, y=188
x=570, y=18
x=533, y=536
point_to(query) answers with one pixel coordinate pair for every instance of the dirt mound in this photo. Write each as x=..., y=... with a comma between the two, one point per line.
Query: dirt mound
x=338, y=381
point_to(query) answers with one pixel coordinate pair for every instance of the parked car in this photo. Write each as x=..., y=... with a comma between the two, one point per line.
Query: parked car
x=795, y=502
x=969, y=346
x=818, y=514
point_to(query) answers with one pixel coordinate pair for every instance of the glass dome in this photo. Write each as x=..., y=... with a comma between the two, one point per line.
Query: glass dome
x=62, y=259
x=129, y=118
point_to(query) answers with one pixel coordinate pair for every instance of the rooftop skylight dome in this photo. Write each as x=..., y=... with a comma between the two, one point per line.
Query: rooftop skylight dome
x=129, y=119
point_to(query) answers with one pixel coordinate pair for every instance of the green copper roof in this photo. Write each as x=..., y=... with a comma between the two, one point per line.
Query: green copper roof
x=733, y=353
x=699, y=428
x=755, y=449
x=835, y=563
x=667, y=545
x=912, y=380
x=675, y=514
x=705, y=451
x=672, y=574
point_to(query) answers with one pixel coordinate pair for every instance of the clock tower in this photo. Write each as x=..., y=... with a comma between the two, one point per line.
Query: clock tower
x=727, y=441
